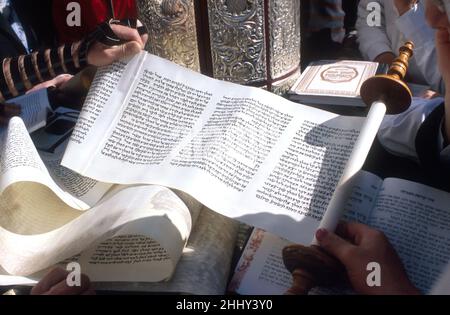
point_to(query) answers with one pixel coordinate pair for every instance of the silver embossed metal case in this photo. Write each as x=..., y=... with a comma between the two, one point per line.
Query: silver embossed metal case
x=252, y=42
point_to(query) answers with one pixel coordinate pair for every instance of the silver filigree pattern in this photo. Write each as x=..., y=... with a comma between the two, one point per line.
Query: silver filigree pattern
x=284, y=21
x=172, y=30
x=237, y=40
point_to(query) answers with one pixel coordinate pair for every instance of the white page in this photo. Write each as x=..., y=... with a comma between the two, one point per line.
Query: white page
x=261, y=269
x=246, y=141
x=204, y=266
x=107, y=94
x=83, y=188
x=154, y=211
x=416, y=219
x=34, y=109
x=20, y=163
x=335, y=78
x=363, y=198
x=109, y=263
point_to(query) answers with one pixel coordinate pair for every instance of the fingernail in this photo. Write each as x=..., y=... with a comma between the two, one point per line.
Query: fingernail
x=321, y=234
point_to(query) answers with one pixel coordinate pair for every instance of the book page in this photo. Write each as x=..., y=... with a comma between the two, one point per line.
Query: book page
x=21, y=165
x=132, y=251
x=442, y=286
x=243, y=152
x=23, y=176
x=34, y=109
x=416, y=219
x=204, y=266
x=363, y=197
x=83, y=188
x=335, y=78
x=131, y=228
x=261, y=270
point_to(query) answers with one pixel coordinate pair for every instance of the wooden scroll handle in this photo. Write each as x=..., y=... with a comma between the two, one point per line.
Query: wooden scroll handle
x=390, y=88
x=311, y=267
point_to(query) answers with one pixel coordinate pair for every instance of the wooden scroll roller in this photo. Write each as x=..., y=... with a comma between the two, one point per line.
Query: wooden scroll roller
x=390, y=88
x=310, y=265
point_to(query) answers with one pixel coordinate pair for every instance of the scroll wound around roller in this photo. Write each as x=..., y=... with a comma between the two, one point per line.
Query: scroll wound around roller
x=390, y=88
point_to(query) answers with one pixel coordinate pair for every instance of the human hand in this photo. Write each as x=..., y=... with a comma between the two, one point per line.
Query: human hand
x=54, y=283
x=439, y=20
x=429, y=94
x=57, y=82
x=101, y=55
x=356, y=245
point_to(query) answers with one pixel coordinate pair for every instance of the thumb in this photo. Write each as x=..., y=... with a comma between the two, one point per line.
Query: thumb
x=334, y=245
x=123, y=51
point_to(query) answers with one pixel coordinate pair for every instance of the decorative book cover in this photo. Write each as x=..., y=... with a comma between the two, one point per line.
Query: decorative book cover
x=328, y=80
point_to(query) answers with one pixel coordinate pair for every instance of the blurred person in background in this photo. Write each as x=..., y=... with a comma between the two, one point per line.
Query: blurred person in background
x=26, y=33
x=399, y=21
x=328, y=30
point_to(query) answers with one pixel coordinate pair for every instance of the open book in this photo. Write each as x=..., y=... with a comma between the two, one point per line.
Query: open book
x=242, y=152
x=414, y=217
x=34, y=108
x=329, y=82
x=50, y=214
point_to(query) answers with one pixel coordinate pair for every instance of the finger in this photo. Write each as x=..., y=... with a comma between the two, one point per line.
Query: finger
x=62, y=79
x=127, y=34
x=123, y=51
x=61, y=288
x=52, y=278
x=41, y=86
x=56, y=82
x=353, y=231
x=334, y=245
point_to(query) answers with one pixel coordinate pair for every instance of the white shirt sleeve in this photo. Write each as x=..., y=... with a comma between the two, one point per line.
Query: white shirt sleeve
x=373, y=40
x=398, y=133
x=413, y=26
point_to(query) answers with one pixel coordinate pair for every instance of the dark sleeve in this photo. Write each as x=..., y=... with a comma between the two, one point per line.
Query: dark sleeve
x=429, y=150
x=36, y=18
x=21, y=73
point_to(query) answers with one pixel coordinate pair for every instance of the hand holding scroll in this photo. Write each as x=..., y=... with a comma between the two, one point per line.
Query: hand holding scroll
x=101, y=55
x=54, y=283
x=356, y=245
